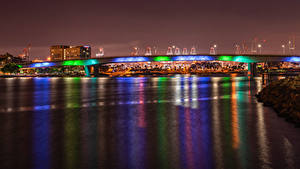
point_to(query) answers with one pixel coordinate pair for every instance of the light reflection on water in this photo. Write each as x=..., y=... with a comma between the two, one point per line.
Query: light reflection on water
x=156, y=122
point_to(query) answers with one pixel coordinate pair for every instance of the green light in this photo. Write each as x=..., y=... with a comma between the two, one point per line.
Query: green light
x=244, y=59
x=20, y=66
x=225, y=58
x=161, y=58
x=73, y=63
x=80, y=62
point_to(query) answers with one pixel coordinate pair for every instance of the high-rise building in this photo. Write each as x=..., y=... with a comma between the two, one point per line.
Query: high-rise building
x=61, y=52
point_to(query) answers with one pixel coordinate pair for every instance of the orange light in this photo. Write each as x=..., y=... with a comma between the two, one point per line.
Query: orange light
x=49, y=59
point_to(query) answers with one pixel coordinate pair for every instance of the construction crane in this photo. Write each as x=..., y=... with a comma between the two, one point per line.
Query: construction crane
x=169, y=51
x=292, y=45
x=148, y=51
x=193, y=51
x=25, y=53
x=135, y=51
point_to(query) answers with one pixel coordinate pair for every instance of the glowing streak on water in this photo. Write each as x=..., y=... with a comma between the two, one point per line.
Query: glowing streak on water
x=235, y=121
x=194, y=103
x=262, y=139
x=216, y=125
x=186, y=93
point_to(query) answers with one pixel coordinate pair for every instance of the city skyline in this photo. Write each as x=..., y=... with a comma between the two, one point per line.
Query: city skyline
x=119, y=26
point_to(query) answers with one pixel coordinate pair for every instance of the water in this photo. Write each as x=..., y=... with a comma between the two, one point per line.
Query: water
x=135, y=123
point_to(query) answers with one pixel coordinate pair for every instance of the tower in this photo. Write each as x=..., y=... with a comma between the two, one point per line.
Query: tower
x=101, y=52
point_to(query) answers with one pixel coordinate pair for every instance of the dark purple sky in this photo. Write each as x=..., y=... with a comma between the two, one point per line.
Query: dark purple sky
x=119, y=25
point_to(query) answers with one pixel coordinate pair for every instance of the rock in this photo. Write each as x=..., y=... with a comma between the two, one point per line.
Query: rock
x=284, y=96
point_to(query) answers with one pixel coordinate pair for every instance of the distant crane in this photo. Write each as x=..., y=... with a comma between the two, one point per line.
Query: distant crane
x=237, y=49
x=135, y=51
x=245, y=49
x=185, y=51
x=148, y=51
x=212, y=51
x=193, y=51
x=25, y=53
x=254, y=46
x=177, y=51
x=169, y=51
x=292, y=45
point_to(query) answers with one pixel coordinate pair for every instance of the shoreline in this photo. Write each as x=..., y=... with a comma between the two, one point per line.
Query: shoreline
x=284, y=97
x=156, y=74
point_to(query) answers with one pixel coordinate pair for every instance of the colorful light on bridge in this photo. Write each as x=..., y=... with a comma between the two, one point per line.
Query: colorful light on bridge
x=131, y=59
x=80, y=62
x=292, y=59
x=193, y=58
x=43, y=64
x=162, y=58
x=225, y=58
x=244, y=59
x=73, y=63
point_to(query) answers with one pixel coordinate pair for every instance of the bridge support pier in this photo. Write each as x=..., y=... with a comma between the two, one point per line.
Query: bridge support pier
x=252, y=71
x=96, y=70
x=87, y=71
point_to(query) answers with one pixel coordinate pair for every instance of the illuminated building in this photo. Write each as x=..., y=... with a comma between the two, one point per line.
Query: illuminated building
x=61, y=52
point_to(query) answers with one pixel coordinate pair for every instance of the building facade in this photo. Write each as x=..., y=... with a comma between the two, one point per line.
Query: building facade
x=61, y=52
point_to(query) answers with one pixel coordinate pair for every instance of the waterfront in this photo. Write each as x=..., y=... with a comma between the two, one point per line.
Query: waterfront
x=142, y=122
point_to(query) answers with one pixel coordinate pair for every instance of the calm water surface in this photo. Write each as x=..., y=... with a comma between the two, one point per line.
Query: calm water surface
x=136, y=123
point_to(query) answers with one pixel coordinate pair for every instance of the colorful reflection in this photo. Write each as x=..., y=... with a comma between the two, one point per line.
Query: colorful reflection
x=182, y=122
x=71, y=123
x=41, y=124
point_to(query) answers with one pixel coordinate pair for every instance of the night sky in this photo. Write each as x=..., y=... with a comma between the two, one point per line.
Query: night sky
x=119, y=25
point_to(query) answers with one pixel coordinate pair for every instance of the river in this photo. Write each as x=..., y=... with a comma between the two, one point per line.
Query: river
x=184, y=122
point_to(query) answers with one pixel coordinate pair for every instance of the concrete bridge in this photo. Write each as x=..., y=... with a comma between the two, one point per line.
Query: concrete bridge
x=95, y=62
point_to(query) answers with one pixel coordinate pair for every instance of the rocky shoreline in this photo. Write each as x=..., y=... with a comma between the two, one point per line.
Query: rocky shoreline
x=284, y=96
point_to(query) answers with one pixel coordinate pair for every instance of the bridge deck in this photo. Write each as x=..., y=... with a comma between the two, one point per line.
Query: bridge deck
x=159, y=58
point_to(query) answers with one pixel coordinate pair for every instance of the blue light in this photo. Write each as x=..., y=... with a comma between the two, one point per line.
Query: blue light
x=193, y=58
x=131, y=59
x=292, y=59
x=44, y=64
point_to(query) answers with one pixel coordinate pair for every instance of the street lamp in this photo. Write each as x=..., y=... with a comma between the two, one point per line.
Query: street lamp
x=283, y=49
x=215, y=47
x=259, y=48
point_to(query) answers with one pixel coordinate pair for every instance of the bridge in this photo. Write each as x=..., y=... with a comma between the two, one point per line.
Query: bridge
x=95, y=62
